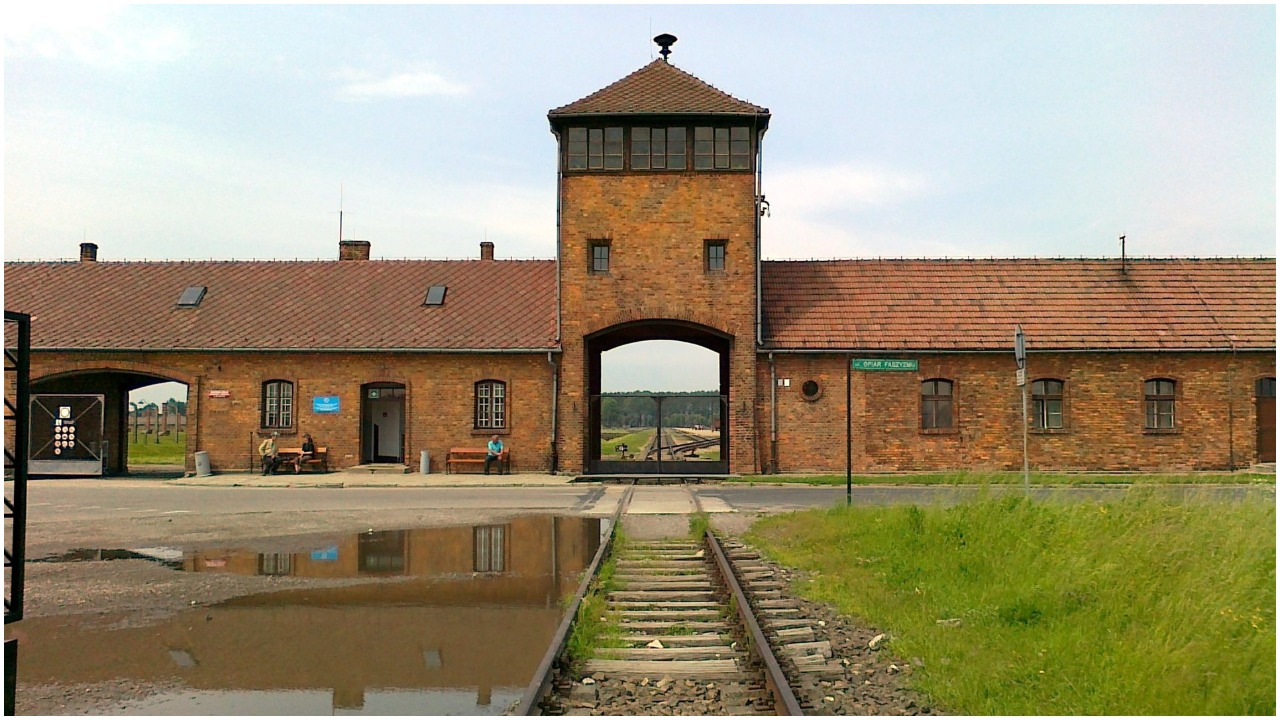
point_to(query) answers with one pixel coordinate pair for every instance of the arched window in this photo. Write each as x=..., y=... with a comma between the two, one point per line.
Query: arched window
x=491, y=405
x=936, y=405
x=1160, y=400
x=277, y=404
x=1046, y=404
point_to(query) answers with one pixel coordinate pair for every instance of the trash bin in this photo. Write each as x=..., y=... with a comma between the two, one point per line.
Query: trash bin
x=202, y=464
x=426, y=463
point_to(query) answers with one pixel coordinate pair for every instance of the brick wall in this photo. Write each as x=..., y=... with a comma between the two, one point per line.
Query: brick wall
x=439, y=399
x=1104, y=413
x=657, y=226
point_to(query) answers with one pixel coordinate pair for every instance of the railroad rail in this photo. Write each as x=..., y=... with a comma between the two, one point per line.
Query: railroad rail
x=702, y=612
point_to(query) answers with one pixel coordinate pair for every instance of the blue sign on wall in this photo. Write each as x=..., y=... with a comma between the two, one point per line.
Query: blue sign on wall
x=328, y=554
x=325, y=404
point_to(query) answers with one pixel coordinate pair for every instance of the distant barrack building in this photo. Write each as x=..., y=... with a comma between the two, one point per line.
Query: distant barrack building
x=1141, y=364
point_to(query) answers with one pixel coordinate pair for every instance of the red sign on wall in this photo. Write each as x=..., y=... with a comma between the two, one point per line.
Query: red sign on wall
x=220, y=393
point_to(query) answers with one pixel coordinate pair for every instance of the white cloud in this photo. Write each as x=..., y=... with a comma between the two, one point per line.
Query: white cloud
x=841, y=187
x=400, y=85
x=89, y=34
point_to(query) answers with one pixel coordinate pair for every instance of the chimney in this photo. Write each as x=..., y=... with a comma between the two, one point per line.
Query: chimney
x=486, y=250
x=353, y=249
x=88, y=252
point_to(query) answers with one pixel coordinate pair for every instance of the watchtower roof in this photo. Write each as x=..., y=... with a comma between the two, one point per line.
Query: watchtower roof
x=658, y=88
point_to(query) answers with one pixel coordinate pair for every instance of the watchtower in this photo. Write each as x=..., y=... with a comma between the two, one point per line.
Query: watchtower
x=659, y=238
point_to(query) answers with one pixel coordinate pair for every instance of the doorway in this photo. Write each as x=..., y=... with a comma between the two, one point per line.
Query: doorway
x=1266, y=413
x=665, y=424
x=382, y=423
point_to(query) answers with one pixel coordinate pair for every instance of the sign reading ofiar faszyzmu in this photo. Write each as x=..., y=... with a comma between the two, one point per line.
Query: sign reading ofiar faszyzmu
x=885, y=364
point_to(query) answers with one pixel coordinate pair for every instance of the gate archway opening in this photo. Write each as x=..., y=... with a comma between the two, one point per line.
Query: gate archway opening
x=666, y=416
x=109, y=422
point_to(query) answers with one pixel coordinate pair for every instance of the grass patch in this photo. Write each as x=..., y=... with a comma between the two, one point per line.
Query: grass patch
x=699, y=523
x=166, y=452
x=1022, y=608
x=635, y=442
x=1015, y=478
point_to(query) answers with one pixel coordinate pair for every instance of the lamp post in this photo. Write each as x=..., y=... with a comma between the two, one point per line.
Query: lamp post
x=1020, y=354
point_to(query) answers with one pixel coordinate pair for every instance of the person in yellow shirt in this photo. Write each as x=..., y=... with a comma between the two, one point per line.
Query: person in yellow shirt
x=270, y=454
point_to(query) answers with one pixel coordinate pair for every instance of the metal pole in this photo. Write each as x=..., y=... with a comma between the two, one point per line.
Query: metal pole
x=848, y=430
x=1026, y=466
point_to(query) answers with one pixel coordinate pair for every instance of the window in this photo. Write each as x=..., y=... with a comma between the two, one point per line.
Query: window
x=277, y=404
x=192, y=296
x=722, y=148
x=577, y=149
x=1265, y=388
x=489, y=544
x=703, y=149
x=657, y=148
x=435, y=295
x=491, y=405
x=599, y=257
x=595, y=148
x=715, y=255
x=1160, y=399
x=382, y=551
x=935, y=404
x=1046, y=404
x=739, y=149
x=275, y=564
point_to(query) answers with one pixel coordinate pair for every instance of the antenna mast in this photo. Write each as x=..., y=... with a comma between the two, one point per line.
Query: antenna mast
x=339, y=212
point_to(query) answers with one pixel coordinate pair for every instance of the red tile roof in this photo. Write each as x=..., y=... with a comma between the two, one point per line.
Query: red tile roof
x=658, y=88
x=940, y=305
x=299, y=305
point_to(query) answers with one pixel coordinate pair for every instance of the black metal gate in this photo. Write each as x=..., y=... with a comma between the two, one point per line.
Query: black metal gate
x=67, y=434
x=659, y=434
x=17, y=375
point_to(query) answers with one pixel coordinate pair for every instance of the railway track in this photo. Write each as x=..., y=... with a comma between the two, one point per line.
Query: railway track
x=706, y=627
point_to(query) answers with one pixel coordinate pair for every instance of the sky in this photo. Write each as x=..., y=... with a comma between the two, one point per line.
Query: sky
x=239, y=131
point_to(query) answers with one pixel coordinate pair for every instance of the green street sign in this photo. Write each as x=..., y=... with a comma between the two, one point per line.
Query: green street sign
x=884, y=364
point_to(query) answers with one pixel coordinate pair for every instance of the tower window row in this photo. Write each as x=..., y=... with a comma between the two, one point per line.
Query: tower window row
x=658, y=148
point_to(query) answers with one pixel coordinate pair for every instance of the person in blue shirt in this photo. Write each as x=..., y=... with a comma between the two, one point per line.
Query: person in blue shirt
x=495, y=450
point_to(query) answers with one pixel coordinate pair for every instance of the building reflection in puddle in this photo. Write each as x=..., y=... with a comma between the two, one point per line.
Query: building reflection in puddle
x=454, y=621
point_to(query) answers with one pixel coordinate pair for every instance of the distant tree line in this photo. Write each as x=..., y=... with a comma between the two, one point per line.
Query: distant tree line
x=682, y=409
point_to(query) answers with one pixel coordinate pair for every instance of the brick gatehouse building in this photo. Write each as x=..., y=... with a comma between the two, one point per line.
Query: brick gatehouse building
x=1138, y=365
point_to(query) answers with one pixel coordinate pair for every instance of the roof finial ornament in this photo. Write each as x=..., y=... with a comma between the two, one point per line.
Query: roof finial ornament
x=665, y=41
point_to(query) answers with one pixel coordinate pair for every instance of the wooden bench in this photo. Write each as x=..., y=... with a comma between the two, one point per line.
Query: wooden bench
x=473, y=456
x=318, y=460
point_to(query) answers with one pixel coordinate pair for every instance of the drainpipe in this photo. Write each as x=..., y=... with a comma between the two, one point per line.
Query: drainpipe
x=559, y=237
x=555, y=397
x=759, y=208
x=773, y=417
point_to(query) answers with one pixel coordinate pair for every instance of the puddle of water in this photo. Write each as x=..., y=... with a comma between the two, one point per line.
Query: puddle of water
x=316, y=702
x=453, y=621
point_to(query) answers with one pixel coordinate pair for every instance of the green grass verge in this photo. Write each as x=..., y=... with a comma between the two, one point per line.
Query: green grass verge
x=698, y=524
x=636, y=442
x=1015, y=478
x=166, y=452
x=1018, y=608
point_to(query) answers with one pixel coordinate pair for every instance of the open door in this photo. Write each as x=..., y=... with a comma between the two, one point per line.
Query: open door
x=382, y=423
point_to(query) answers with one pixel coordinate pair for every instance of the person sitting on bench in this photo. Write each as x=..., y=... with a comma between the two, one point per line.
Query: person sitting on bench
x=270, y=454
x=308, y=452
x=494, y=452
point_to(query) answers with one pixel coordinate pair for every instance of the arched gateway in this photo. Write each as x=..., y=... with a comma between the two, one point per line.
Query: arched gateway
x=665, y=434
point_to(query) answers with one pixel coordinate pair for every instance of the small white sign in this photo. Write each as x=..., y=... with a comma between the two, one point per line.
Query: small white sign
x=1022, y=377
